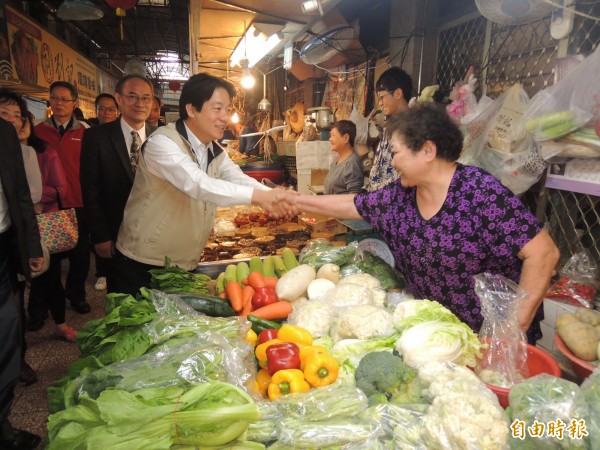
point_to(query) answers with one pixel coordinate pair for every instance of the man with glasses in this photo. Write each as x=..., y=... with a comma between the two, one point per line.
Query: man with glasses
x=393, y=91
x=63, y=132
x=183, y=176
x=107, y=109
x=108, y=166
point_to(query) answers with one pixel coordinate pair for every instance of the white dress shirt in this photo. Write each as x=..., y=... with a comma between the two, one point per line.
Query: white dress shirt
x=164, y=159
x=127, y=134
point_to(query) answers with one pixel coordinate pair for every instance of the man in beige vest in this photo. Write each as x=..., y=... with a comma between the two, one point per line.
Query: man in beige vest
x=181, y=178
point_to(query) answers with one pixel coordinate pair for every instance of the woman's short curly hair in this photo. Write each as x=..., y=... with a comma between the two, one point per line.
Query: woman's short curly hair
x=427, y=123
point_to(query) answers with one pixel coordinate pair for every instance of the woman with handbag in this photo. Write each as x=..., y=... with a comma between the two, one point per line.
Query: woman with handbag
x=47, y=292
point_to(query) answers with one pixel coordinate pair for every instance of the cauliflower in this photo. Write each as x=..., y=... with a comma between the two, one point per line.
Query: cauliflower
x=444, y=376
x=364, y=279
x=315, y=316
x=347, y=294
x=457, y=420
x=361, y=322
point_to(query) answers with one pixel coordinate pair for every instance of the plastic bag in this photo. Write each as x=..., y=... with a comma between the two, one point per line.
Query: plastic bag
x=319, y=252
x=567, y=105
x=464, y=413
x=546, y=400
x=578, y=281
x=591, y=391
x=402, y=425
x=463, y=98
x=504, y=362
x=362, y=126
x=504, y=148
x=314, y=316
x=361, y=322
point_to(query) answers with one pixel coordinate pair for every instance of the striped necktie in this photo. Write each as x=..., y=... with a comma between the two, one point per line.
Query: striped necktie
x=134, y=154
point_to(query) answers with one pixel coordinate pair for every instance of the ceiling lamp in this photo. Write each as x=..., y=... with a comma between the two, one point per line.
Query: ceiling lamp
x=247, y=78
x=264, y=105
x=256, y=43
x=311, y=6
x=79, y=10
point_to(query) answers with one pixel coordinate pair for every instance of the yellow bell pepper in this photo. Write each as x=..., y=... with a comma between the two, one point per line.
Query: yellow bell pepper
x=261, y=352
x=306, y=352
x=297, y=335
x=321, y=369
x=287, y=381
x=251, y=337
x=263, y=379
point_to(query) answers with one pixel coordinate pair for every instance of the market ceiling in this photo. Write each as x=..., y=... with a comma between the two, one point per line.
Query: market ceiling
x=153, y=27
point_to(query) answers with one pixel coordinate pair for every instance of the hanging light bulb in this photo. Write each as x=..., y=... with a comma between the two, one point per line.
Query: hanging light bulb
x=247, y=78
x=235, y=118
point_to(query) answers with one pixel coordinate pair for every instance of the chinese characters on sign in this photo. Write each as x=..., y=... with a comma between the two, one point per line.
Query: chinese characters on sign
x=558, y=429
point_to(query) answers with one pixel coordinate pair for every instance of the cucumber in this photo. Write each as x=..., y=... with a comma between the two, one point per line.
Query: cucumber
x=256, y=264
x=289, y=259
x=230, y=273
x=208, y=304
x=259, y=324
x=243, y=270
x=280, y=267
x=268, y=267
x=221, y=283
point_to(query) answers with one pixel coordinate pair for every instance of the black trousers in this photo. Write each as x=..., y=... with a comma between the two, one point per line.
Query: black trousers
x=10, y=327
x=127, y=276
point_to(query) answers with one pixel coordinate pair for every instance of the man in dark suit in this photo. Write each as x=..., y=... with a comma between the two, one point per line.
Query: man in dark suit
x=108, y=159
x=20, y=250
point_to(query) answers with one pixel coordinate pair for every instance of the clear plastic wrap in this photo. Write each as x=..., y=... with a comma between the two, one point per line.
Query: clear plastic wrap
x=401, y=426
x=591, y=391
x=314, y=316
x=319, y=252
x=351, y=294
x=554, y=403
x=504, y=361
x=567, y=105
x=177, y=362
x=578, y=281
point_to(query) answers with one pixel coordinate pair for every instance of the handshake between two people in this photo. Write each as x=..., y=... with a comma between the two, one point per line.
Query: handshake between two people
x=280, y=203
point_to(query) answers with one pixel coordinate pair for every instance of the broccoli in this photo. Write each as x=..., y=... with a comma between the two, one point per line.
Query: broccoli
x=383, y=376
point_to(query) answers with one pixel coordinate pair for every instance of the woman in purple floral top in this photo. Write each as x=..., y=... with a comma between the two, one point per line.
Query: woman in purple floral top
x=446, y=222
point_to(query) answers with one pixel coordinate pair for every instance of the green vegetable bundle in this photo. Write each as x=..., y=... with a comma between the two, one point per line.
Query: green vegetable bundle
x=173, y=280
x=209, y=414
x=321, y=252
x=377, y=267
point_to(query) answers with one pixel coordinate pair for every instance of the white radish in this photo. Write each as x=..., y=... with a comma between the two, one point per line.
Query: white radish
x=293, y=283
x=330, y=272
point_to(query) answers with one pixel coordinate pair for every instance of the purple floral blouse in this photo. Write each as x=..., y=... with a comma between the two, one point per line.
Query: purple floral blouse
x=480, y=227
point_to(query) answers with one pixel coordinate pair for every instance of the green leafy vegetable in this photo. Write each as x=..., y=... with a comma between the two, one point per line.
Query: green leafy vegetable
x=173, y=279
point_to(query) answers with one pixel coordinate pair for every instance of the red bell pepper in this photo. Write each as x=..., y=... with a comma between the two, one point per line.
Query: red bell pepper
x=285, y=355
x=263, y=296
x=267, y=335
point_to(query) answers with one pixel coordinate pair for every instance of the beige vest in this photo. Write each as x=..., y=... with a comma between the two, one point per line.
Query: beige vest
x=160, y=220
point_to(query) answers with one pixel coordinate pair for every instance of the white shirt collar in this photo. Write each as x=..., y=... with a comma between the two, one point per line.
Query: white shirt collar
x=127, y=129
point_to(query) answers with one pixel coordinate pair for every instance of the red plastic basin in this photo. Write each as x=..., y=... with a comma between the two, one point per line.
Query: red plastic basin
x=538, y=361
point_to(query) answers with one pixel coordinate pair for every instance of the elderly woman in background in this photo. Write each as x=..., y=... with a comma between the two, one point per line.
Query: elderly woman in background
x=446, y=222
x=345, y=175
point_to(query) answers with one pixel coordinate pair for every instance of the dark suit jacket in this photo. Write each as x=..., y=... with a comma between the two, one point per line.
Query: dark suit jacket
x=106, y=179
x=16, y=191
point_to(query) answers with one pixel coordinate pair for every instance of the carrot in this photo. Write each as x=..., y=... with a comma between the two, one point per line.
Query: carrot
x=256, y=280
x=223, y=295
x=244, y=281
x=247, y=294
x=271, y=281
x=234, y=294
x=277, y=310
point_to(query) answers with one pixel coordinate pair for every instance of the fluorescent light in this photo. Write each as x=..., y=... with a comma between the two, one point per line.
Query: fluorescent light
x=254, y=46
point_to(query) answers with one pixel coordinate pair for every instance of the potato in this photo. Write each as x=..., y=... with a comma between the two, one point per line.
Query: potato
x=588, y=316
x=581, y=338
